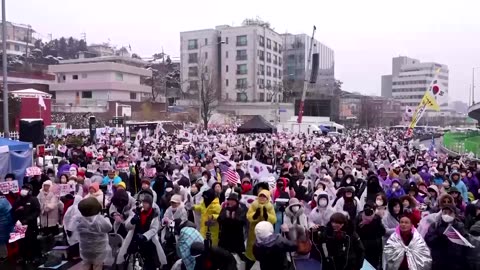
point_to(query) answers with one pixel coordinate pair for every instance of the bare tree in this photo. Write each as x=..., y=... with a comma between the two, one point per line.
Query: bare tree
x=164, y=75
x=208, y=98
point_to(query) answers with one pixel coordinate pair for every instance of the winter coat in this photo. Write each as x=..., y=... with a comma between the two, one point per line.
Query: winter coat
x=296, y=222
x=213, y=210
x=26, y=210
x=342, y=252
x=321, y=215
x=272, y=253
x=399, y=192
x=460, y=185
x=187, y=237
x=264, y=210
x=390, y=224
x=371, y=235
x=6, y=220
x=150, y=232
x=472, y=185
x=93, y=237
x=473, y=254
x=340, y=207
x=126, y=212
x=69, y=221
x=445, y=254
x=180, y=213
x=232, y=226
x=50, y=208
x=97, y=195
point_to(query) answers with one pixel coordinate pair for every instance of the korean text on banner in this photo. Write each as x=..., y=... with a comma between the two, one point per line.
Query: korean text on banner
x=63, y=189
x=10, y=186
x=32, y=171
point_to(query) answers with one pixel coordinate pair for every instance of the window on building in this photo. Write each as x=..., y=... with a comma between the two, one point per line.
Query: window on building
x=193, y=85
x=133, y=95
x=261, y=70
x=280, y=61
x=75, y=77
x=269, y=84
x=226, y=68
x=118, y=76
x=261, y=55
x=226, y=82
x=17, y=48
x=86, y=94
x=242, y=40
x=241, y=55
x=261, y=41
x=274, y=59
x=261, y=83
x=279, y=48
x=226, y=40
x=242, y=69
x=274, y=72
x=262, y=97
x=242, y=83
x=226, y=54
x=269, y=71
x=275, y=46
x=192, y=58
x=205, y=69
x=192, y=71
x=84, y=75
x=269, y=57
x=269, y=43
x=8, y=48
x=206, y=41
x=206, y=55
x=192, y=44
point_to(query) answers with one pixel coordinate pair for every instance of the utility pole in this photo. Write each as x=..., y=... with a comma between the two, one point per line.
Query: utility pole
x=6, y=128
x=473, y=86
x=305, y=83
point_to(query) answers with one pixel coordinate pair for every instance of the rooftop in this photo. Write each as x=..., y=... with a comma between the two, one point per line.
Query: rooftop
x=112, y=58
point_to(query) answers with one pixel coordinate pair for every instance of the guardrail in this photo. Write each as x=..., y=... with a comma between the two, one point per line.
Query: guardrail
x=14, y=135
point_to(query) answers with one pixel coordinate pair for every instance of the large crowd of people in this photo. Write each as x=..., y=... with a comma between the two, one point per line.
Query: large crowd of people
x=195, y=200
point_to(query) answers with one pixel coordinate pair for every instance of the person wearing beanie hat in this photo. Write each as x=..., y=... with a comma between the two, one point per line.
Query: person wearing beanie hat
x=295, y=221
x=232, y=220
x=457, y=199
x=260, y=210
x=50, y=208
x=146, y=188
x=271, y=249
x=460, y=185
x=92, y=229
x=348, y=203
x=95, y=192
x=143, y=227
x=121, y=207
x=122, y=185
x=371, y=230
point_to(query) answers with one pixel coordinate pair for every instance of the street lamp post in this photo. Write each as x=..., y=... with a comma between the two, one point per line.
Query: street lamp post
x=473, y=84
x=6, y=128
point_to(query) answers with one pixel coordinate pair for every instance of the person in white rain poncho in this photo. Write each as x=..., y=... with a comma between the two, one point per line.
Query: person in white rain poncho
x=92, y=230
x=69, y=221
x=406, y=249
x=320, y=215
x=50, y=208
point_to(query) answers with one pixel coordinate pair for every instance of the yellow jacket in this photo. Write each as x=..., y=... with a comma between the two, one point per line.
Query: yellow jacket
x=213, y=210
x=272, y=218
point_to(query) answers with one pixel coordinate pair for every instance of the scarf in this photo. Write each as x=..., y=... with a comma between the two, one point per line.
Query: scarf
x=144, y=216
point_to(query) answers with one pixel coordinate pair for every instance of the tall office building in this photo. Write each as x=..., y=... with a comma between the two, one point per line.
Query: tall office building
x=296, y=66
x=243, y=64
x=410, y=79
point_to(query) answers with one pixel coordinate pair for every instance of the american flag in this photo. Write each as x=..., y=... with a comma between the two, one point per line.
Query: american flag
x=230, y=175
x=455, y=237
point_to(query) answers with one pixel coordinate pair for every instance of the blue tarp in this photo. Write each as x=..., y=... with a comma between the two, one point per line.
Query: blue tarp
x=16, y=160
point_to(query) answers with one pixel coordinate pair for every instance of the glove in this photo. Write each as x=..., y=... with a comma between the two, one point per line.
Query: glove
x=141, y=238
x=118, y=218
x=135, y=220
x=257, y=214
x=265, y=214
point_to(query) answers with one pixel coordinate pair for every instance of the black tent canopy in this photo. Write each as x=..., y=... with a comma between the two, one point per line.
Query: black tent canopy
x=256, y=125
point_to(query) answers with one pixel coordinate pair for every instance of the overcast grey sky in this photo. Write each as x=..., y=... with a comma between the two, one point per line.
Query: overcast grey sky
x=365, y=35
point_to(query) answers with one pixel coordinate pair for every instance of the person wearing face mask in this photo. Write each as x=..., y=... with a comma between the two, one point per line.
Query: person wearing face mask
x=295, y=221
x=348, y=203
x=380, y=204
x=339, y=174
x=370, y=229
x=471, y=181
x=121, y=207
x=246, y=186
x=146, y=187
x=446, y=254
x=406, y=249
x=460, y=185
x=372, y=189
x=410, y=209
x=395, y=190
x=232, y=220
x=95, y=191
x=50, y=208
x=175, y=211
x=339, y=245
x=431, y=201
x=320, y=215
x=209, y=210
x=167, y=196
x=194, y=199
x=26, y=211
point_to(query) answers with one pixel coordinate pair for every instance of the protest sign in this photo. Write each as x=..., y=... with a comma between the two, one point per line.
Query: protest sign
x=92, y=167
x=63, y=189
x=18, y=233
x=10, y=186
x=32, y=171
x=150, y=172
x=104, y=166
x=62, y=148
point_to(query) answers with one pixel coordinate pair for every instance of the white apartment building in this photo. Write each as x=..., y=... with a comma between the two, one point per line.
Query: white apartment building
x=19, y=38
x=413, y=78
x=93, y=82
x=245, y=61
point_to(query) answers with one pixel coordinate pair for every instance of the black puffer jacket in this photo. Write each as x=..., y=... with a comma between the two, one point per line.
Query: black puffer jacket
x=272, y=254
